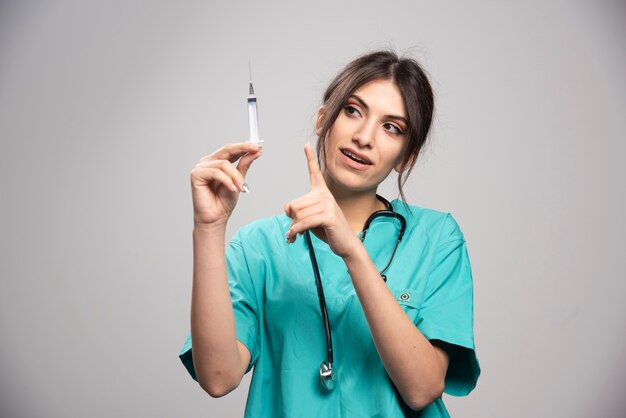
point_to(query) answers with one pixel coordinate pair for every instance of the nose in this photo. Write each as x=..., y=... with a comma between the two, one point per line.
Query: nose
x=365, y=135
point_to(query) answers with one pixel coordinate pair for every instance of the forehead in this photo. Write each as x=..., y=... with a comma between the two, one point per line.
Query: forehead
x=383, y=96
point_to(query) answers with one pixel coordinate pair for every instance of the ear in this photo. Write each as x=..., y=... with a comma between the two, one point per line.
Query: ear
x=319, y=121
x=398, y=166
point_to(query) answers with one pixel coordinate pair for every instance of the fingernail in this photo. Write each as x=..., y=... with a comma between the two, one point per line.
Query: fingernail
x=245, y=188
x=233, y=187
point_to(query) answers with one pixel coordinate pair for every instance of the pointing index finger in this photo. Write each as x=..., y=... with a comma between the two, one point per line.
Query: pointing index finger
x=317, y=180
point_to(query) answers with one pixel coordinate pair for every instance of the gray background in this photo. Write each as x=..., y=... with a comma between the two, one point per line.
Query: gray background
x=105, y=107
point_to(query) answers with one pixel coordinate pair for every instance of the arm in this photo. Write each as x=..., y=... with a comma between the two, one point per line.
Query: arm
x=219, y=359
x=416, y=367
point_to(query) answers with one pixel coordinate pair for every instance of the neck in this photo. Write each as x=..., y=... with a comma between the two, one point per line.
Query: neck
x=356, y=206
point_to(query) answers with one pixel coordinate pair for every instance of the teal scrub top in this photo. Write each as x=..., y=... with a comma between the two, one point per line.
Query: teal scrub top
x=278, y=318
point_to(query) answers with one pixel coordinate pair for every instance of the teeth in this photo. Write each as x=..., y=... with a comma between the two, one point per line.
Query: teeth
x=354, y=157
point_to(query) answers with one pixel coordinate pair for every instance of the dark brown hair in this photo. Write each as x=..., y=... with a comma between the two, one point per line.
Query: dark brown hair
x=416, y=91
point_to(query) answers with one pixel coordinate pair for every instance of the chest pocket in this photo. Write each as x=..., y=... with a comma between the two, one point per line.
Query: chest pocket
x=410, y=300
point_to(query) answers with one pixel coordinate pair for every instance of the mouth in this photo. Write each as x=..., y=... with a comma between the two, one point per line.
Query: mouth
x=355, y=156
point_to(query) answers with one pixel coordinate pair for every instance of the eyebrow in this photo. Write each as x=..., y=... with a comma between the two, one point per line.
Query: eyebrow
x=362, y=103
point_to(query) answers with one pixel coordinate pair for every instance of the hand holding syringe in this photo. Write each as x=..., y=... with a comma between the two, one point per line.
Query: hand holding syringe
x=216, y=181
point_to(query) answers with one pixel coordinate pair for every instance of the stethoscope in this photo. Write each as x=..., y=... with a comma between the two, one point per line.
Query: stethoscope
x=327, y=376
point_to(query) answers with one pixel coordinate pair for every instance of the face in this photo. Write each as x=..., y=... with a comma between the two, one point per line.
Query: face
x=367, y=139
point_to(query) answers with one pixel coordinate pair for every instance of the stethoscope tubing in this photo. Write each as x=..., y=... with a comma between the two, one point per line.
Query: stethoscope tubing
x=322, y=299
x=326, y=370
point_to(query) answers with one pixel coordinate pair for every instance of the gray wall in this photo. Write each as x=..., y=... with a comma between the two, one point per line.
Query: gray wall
x=105, y=107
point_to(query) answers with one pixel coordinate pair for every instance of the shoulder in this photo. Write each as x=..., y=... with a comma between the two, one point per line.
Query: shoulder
x=428, y=223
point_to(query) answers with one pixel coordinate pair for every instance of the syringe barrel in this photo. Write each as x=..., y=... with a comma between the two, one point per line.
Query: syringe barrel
x=253, y=120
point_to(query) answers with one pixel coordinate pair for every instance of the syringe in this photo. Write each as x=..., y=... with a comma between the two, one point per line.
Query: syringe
x=253, y=115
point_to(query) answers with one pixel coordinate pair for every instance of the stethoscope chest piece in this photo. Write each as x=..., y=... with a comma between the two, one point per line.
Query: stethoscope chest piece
x=327, y=375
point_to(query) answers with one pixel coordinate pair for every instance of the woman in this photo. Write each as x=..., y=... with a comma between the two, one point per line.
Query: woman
x=398, y=298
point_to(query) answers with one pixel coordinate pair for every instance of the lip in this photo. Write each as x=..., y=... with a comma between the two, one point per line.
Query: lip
x=353, y=164
x=358, y=154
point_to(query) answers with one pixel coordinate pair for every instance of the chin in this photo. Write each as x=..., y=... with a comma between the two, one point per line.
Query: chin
x=352, y=182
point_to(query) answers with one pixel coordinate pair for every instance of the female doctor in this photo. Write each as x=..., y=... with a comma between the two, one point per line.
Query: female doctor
x=395, y=279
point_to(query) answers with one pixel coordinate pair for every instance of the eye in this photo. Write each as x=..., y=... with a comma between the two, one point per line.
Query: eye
x=351, y=111
x=393, y=129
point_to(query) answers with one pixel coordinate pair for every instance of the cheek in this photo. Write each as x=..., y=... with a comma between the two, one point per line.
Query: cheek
x=399, y=158
x=332, y=139
x=329, y=146
x=394, y=154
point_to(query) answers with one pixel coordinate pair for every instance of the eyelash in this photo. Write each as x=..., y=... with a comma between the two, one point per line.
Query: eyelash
x=398, y=131
x=348, y=108
x=393, y=129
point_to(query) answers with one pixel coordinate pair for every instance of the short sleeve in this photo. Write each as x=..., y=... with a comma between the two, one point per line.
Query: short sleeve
x=240, y=267
x=245, y=306
x=447, y=311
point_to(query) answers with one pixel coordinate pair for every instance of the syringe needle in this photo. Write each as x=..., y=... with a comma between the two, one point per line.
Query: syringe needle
x=250, y=72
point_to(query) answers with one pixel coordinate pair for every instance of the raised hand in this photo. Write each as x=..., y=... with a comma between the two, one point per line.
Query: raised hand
x=216, y=182
x=318, y=211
